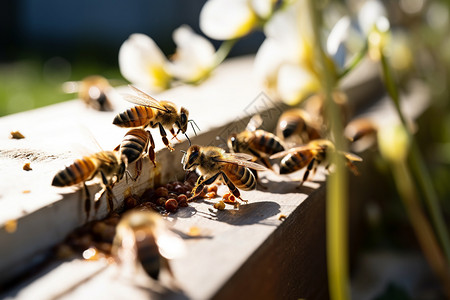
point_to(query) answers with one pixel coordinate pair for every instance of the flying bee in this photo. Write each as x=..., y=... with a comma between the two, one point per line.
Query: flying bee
x=212, y=162
x=143, y=239
x=93, y=90
x=153, y=113
x=134, y=145
x=108, y=165
x=256, y=142
x=362, y=132
x=297, y=127
x=310, y=156
x=315, y=105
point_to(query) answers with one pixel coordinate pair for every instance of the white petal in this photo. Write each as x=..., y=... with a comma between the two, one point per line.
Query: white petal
x=227, y=19
x=263, y=8
x=142, y=62
x=338, y=35
x=290, y=27
x=295, y=83
x=282, y=25
x=337, y=39
x=194, y=56
x=369, y=14
x=268, y=60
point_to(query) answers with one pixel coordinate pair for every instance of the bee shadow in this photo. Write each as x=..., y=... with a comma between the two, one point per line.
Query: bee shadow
x=287, y=186
x=166, y=294
x=249, y=214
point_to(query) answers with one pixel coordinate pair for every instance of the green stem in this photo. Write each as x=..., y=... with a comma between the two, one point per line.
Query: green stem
x=223, y=51
x=420, y=224
x=337, y=193
x=355, y=61
x=418, y=166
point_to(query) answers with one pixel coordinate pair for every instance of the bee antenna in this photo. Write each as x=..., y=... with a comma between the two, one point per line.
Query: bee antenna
x=190, y=144
x=192, y=124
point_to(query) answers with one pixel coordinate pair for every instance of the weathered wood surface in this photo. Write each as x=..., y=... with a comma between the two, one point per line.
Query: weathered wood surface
x=57, y=135
x=240, y=251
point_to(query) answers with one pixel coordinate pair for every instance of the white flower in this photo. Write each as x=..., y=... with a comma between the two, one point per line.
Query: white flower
x=371, y=14
x=336, y=40
x=295, y=83
x=142, y=63
x=194, y=58
x=230, y=19
x=348, y=36
x=285, y=61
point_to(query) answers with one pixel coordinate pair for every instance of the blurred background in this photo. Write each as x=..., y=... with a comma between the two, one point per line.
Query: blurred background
x=44, y=43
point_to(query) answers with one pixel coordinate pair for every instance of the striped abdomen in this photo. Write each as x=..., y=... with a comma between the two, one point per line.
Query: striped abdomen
x=134, y=144
x=148, y=255
x=240, y=176
x=291, y=122
x=266, y=142
x=80, y=171
x=295, y=161
x=135, y=117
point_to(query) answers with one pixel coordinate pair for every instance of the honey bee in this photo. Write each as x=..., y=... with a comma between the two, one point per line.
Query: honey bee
x=134, y=145
x=315, y=106
x=297, y=127
x=212, y=162
x=108, y=165
x=362, y=132
x=256, y=142
x=153, y=113
x=143, y=239
x=93, y=90
x=310, y=156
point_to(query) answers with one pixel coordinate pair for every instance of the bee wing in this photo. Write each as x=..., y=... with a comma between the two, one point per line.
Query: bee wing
x=143, y=99
x=240, y=156
x=242, y=160
x=254, y=123
x=170, y=245
x=103, y=157
x=351, y=156
x=294, y=150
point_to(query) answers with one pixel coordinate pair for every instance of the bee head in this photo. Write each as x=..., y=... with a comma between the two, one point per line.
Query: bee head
x=190, y=159
x=182, y=121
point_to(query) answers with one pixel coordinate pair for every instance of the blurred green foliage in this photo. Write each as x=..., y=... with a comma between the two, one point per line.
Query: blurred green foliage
x=34, y=82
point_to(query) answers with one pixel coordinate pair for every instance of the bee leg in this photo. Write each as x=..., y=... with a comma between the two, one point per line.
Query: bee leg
x=352, y=167
x=265, y=161
x=233, y=189
x=327, y=167
x=163, y=133
x=174, y=134
x=87, y=201
x=128, y=175
x=151, y=149
x=107, y=187
x=201, y=184
x=165, y=265
x=307, y=171
x=138, y=169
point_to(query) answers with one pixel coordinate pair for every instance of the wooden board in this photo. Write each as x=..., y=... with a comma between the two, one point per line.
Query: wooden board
x=248, y=251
